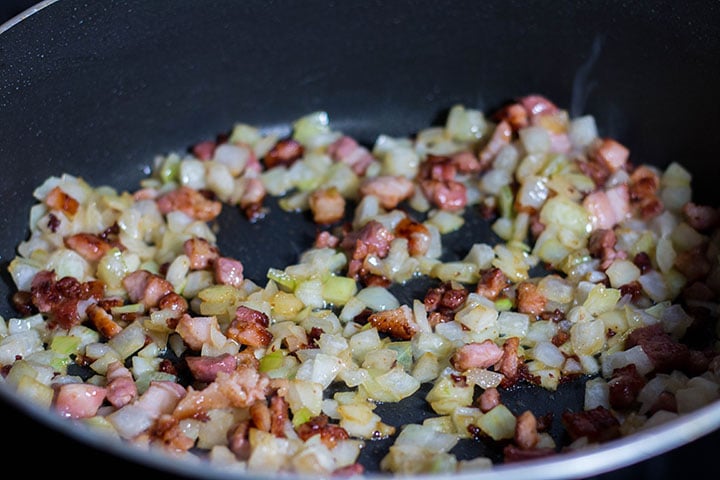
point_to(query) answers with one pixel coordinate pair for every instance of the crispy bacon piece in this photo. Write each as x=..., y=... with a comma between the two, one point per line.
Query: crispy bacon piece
x=79, y=400
x=488, y=399
x=228, y=271
x=91, y=247
x=249, y=327
x=371, y=239
x=103, y=321
x=390, y=190
x=666, y=354
x=191, y=202
x=598, y=424
x=238, y=441
x=509, y=364
x=501, y=136
x=240, y=388
x=526, y=431
x=59, y=200
x=329, y=433
x=66, y=299
x=417, y=235
x=492, y=282
x=285, y=152
x=437, y=181
x=346, y=150
x=205, y=369
x=146, y=287
x=201, y=253
x=701, y=217
x=625, y=385
x=476, y=355
x=398, y=323
x=167, y=431
x=644, y=185
x=443, y=301
x=529, y=299
x=512, y=453
x=121, y=387
x=327, y=205
x=609, y=153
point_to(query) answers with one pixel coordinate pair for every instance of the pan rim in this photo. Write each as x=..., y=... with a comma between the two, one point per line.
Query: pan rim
x=591, y=461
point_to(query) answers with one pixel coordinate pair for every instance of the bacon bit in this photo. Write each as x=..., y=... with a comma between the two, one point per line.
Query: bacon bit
x=148, y=288
x=121, y=387
x=417, y=235
x=59, y=200
x=330, y=434
x=607, y=208
x=91, y=247
x=239, y=389
x=512, y=453
x=204, y=150
x=228, y=271
x=176, y=303
x=643, y=262
x=556, y=315
x=346, y=150
x=609, y=153
x=201, y=252
x=501, y=136
x=597, y=425
x=625, y=385
x=644, y=184
x=488, y=399
x=665, y=353
x=693, y=264
x=465, y=162
x=238, y=440
x=390, y=190
x=279, y=415
x=327, y=205
x=191, y=202
x=634, y=289
x=285, y=153
x=599, y=173
x=700, y=217
x=526, y=433
x=537, y=105
x=22, y=303
x=53, y=222
x=560, y=338
x=476, y=355
x=167, y=430
x=326, y=239
x=103, y=321
x=529, y=299
x=249, y=327
x=509, y=364
x=349, y=470
x=205, y=369
x=449, y=195
x=371, y=239
x=398, y=323
x=79, y=400
x=61, y=298
x=665, y=401
x=514, y=114
x=492, y=282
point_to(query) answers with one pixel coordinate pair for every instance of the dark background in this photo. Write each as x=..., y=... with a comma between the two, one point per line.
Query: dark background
x=694, y=458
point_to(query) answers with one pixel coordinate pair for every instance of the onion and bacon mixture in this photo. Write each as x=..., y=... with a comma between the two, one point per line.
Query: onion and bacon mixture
x=132, y=321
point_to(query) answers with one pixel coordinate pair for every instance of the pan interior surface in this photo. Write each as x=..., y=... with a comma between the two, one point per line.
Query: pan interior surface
x=98, y=90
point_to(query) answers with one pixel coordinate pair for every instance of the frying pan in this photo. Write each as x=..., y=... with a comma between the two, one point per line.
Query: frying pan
x=97, y=89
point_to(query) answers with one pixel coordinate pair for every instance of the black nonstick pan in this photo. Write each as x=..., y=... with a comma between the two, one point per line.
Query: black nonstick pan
x=97, y=89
